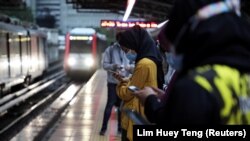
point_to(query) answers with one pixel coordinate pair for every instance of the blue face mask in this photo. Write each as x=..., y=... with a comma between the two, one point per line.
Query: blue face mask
x=131, y=56
x=175, y=61
x=170, y=59
x=178, y=62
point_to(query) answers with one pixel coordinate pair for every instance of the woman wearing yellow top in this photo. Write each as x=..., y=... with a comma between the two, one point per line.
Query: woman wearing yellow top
x=147, y=72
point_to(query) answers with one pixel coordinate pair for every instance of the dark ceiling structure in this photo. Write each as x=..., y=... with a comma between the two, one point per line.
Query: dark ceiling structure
x=154, y=10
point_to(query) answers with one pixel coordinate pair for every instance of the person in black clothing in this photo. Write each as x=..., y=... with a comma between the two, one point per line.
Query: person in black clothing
x=211, y=43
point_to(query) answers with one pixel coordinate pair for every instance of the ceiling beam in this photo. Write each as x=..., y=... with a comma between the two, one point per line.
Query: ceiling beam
x=146, y=9
x=156, y=3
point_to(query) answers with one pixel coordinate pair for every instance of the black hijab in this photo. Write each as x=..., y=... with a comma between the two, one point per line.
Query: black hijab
x=138, y=39
x=221, y=39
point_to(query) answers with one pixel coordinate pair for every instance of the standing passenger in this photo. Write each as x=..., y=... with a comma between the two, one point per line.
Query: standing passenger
x=147, y=72
x=114, y=59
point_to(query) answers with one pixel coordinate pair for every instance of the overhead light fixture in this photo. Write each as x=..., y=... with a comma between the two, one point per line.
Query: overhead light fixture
x=130, y=6
x=162, y=24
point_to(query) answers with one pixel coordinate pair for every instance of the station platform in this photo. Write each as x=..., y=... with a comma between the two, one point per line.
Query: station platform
x=82, y=120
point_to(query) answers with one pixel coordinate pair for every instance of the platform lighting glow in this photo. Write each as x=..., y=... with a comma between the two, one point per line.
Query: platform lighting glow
x=129, y=9
x=87, y=112
x=88, y=100
x=69, y=93
x=73, y=101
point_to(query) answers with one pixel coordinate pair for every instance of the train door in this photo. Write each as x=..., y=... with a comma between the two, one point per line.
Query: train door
x=34, y=55
x=24, y=54
x=14, y=55
x=41, y=47
x=38, y=54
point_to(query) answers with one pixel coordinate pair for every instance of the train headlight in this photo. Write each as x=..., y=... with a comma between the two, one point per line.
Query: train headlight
x=71, y=61
x=89, y=61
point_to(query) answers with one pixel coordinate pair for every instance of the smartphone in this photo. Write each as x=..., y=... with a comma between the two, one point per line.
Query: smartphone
x=133, y=88
x=121, y=67
x=112, y=71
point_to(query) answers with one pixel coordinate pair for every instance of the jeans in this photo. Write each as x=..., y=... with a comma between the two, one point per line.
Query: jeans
x=113, y=100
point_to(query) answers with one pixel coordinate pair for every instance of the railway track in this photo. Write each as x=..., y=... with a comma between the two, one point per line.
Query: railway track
x=18, y=109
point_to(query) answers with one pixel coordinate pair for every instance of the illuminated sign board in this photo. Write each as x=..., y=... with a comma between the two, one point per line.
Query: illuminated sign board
x=127, y=24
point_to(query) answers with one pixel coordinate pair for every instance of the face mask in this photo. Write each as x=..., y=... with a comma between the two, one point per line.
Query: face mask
x=131, y=56
x=169, y=59
x=178, y=62
x=175, y=61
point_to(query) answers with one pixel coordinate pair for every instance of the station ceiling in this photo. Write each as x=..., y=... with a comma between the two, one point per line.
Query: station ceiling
x=154, y=10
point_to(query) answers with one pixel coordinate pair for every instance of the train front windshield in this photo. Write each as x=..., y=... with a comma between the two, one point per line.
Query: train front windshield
x=80, y=53
x=81, y=44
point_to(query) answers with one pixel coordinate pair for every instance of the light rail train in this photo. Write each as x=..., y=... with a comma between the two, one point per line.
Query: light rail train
x=83, y=51
x=22, y=55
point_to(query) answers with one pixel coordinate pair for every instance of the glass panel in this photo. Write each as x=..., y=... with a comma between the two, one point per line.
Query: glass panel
x=80, y=46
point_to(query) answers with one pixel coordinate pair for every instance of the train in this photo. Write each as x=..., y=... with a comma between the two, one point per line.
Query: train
x=83, y=51
x=23, y=55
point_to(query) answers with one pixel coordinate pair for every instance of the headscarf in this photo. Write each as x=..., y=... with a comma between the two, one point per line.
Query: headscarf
x=138, y=39
x=164, y=43
x=222, y=38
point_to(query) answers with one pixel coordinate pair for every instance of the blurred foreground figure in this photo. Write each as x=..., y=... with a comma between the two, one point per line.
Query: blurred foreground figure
x=211, y=43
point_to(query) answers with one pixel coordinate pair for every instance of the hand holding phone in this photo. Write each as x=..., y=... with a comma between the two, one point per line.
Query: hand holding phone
x=116, y=73
x=133, y=88
x=118, y=76
x=144, y=93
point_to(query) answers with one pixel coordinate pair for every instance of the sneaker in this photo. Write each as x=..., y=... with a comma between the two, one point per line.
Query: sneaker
x=102, y=132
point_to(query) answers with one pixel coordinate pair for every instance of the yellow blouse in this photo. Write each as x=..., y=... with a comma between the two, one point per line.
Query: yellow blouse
x=145, y=74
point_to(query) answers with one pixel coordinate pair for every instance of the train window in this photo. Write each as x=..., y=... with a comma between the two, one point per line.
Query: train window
x=80, y=46
x=3, y=48
x=25, y=54
x=3, y=56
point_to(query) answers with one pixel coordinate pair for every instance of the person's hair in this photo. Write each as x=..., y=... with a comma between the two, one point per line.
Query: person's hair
x=118, y=36
x=112, y=43
x=164, y=43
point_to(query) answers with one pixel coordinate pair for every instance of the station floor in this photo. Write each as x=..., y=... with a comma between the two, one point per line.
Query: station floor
x=83, y=118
